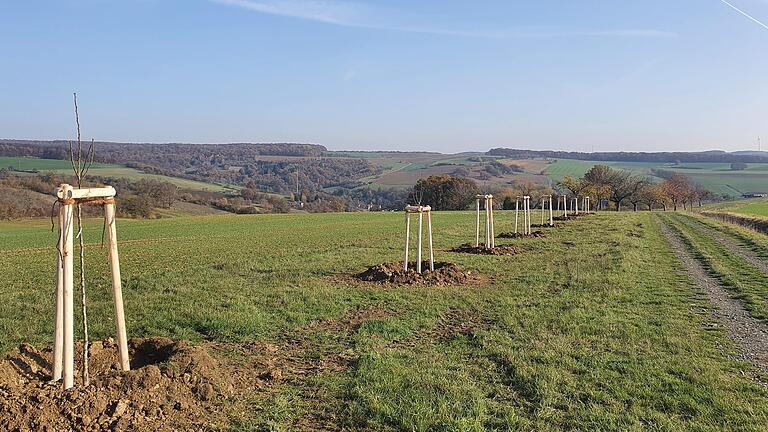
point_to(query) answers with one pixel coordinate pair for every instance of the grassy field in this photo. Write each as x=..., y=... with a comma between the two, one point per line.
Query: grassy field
x=753, y=208
x=591, y=328
x=104, y=170
x=750, y=207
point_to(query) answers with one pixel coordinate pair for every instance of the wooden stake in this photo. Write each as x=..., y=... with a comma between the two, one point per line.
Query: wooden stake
x=487, y=226
x=407, y=238
x=551, y=219
x=477, y=231
x=429, y=233
x=58, y=333
x=517, y=212
x=68, y=352
x=565, y=206
x=493, y=231
x=528, y=214
x=418, y=263
x=117, y=286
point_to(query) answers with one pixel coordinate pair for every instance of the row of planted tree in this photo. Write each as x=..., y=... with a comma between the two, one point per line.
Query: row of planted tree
x=623, y=188
x=608, y=188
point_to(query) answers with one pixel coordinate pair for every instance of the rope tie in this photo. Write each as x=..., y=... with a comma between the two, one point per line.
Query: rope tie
x=86, y=201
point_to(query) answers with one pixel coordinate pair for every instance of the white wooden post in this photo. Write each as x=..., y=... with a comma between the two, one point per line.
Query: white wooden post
x=58, y=333
x=576, y=205
x=68, y=351
x=565, y=206
x=493, y=232
x=551, y=219
x=525, y=215
x=407, y=238
x=117, y=285
x=517, y=212
x=477, y=231
x=542, y=210
x=528, y=214
x=487, y=226
x=418, y=263
x=429, y=233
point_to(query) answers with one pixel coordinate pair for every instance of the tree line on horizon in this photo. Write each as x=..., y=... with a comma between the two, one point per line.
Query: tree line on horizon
x=608, y=187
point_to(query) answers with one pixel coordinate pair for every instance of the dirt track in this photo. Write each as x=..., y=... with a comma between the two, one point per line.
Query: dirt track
x=749, y=334
x=734, y=246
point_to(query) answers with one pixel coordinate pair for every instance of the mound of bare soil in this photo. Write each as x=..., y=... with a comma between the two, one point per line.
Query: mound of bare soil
x=172, y=386
x=512, y=235
x=546, y=225
x=571, y=216
x=393, y=273
x=482, y=250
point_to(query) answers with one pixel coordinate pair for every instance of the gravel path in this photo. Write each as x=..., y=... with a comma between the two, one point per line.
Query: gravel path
x=749, y=333
x=733, y=246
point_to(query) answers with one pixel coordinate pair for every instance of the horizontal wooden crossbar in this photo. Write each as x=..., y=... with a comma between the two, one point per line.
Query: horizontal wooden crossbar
x=67, y=193
x=418, y=209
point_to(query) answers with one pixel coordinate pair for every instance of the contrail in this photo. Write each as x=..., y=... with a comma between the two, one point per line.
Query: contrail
x=765, y=26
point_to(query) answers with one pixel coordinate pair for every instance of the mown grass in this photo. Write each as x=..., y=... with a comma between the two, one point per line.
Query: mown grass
x=749, y=239
x=748, y=283
x=590, y=328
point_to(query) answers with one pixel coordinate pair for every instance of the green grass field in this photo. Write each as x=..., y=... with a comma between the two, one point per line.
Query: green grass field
x=590, y=328
x=754, y=208
x=104, y=170
x=751, y=207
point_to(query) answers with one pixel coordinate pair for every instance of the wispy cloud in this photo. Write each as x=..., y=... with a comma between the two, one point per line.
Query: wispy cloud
x=737, y=9
x=349, y=14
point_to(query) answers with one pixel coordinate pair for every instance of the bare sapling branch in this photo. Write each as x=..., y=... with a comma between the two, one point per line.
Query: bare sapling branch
x=81, y=168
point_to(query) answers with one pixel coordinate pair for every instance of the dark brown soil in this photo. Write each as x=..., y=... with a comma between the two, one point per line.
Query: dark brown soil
x=393, y=273
x=172, y=386
x=482, y=250
x=512, y=235
x=546, y=225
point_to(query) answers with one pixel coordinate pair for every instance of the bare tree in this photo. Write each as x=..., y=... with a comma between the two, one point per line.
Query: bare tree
x=81, y=164
x=624, y=184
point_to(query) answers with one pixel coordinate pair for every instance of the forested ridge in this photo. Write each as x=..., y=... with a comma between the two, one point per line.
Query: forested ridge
x=660, y=157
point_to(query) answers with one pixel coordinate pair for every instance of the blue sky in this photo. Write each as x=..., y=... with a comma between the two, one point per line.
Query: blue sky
x=442, y=75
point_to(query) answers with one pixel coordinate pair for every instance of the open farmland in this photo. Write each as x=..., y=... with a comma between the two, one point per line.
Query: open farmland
x=592, y=327
x=63, y=167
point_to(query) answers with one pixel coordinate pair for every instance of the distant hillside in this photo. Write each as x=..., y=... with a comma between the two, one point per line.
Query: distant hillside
x=658, y=157
x=269, y=167
x=751, y=153
x=112, y=152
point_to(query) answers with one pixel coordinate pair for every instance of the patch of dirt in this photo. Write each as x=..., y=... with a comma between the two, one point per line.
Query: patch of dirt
x=461, y=323
x=749, y=333
x=513, y=235
x=172, y=386
x=299, y=358
x=546, y=225
x=392, y=273
x=570, y=216
x=501, y=250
